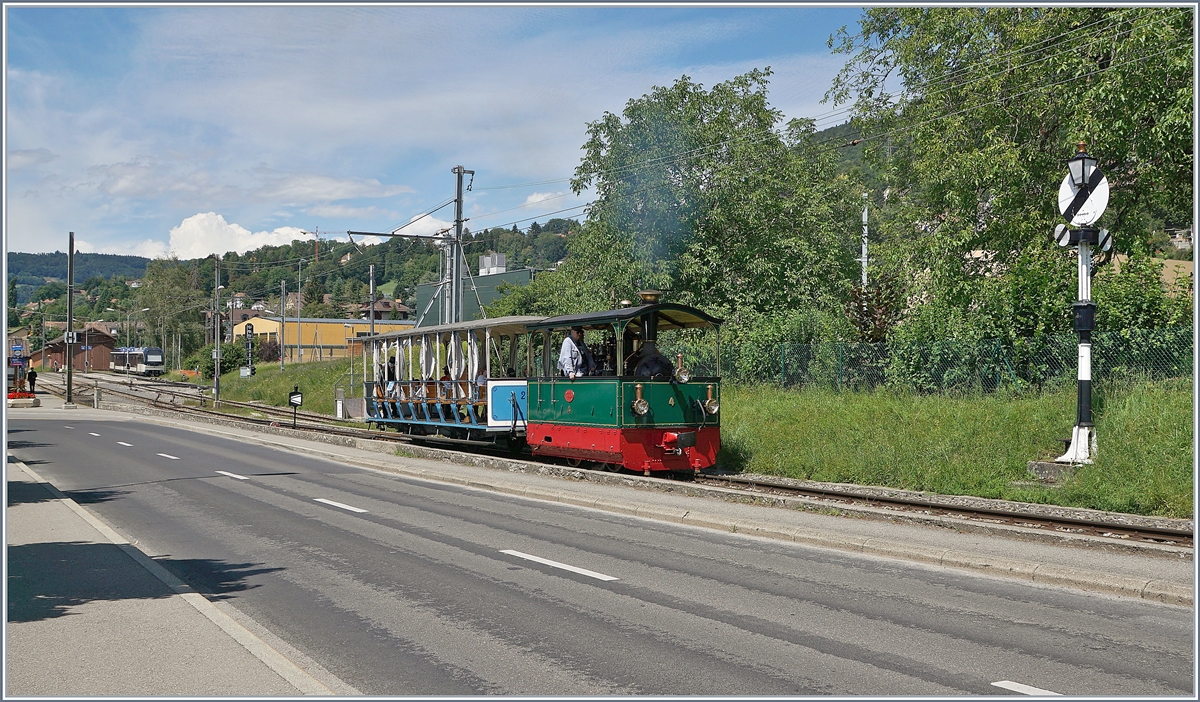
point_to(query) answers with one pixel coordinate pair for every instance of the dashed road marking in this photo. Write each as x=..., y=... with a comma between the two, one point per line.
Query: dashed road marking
x=564, y=566
x=124, y=444
x=1024, y=689
x=67, y=427
x=338, y=504
x=93, y=433
x=167, y=455
x=233, y=475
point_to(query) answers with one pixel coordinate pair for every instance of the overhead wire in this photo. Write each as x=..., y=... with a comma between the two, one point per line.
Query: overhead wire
x=911, y=127
x=828, y=115
x=768, y=133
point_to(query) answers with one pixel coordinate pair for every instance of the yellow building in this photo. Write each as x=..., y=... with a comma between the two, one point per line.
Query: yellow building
x=320, y=339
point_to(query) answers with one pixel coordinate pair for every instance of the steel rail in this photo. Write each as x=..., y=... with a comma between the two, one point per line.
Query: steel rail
x=1062, y=523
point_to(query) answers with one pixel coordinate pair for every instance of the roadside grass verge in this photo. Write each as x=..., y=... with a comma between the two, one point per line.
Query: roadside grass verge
x=971, y=444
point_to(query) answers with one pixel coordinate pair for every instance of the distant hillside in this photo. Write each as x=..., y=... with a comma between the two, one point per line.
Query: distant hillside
x=87, y=265
x=31, y=271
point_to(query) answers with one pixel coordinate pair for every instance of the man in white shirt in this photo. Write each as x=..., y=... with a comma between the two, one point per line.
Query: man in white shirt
x=574, y=359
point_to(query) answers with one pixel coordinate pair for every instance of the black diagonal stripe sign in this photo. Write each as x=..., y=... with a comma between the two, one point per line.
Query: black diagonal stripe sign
x=1082, y=195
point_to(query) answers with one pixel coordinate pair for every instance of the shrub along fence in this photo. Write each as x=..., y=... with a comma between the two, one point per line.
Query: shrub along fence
x=956, y=365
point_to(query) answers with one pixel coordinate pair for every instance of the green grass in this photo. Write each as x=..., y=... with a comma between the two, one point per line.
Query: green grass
x=315, y=380
x=973, y=445
x=956, y=445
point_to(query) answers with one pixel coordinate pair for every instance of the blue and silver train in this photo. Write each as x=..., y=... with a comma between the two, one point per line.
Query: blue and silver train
x=147, y=360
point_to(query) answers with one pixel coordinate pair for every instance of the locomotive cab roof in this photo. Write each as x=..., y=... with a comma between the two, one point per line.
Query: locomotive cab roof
x=670, y=316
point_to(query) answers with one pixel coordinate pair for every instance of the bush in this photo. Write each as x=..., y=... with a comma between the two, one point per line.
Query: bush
x=232, y=357
x=267, y=351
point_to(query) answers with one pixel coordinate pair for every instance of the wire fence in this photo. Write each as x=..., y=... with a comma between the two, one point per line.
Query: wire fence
x=957, y=366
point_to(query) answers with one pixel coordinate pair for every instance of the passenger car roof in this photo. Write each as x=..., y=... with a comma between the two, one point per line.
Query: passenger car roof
x=501, y=325
x=670, y=314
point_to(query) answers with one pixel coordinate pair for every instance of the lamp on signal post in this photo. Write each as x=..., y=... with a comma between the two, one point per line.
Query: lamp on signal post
x=1081, y=165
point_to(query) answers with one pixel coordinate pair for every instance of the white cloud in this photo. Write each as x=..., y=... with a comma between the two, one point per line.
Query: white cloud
x=207, y=233
x=426, y=227
x=265, y=114
x=147, y=249
x=25, y=158
x=305, y=188
x=542, y=197
x=347, y=212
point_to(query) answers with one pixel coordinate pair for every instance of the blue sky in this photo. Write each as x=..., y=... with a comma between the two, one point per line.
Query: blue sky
x=195, y=130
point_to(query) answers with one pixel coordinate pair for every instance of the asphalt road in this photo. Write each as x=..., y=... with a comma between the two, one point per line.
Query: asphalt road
x=399, y=586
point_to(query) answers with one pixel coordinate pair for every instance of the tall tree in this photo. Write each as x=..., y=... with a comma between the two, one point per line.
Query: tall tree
x=970, y=114
x=176, y=305
x=704, y=193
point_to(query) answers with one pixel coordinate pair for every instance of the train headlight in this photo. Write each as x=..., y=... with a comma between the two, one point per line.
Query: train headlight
x=682, y=374
x=711, y=406
x=640, y=406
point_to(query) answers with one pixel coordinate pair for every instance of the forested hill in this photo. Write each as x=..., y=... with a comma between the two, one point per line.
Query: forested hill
x=87, y=265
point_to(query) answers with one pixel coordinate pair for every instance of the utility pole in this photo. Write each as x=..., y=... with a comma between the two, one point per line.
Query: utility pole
x=451, y=245
x=217, y=336
x=282, y=320
x=43, y=317
x=371, y=315
x=69, y=403
x=372, y=312
x=456, y=249
x=299, y=295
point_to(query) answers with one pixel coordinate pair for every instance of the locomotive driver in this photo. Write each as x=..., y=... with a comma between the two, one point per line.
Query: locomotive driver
x=575, y=359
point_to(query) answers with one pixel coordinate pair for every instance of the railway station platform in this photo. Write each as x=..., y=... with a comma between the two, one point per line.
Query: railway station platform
x=149, y=620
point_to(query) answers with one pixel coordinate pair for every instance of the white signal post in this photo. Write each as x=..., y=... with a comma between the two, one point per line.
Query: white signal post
x=1082, y=198
x=863, y=260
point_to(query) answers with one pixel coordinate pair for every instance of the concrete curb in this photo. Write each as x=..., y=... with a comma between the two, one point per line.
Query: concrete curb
x=286, y=669
x=1048, y=574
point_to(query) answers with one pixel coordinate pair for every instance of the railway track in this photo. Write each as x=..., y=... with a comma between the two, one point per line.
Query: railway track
x=1125, y=527
x=1128, y=528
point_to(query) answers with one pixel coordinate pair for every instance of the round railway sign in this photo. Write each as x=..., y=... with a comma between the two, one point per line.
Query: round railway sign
x=1083, y=206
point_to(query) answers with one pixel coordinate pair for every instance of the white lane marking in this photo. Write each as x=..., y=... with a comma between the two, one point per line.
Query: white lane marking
x=167, y=455
x=93, y=433
x=338, y=504
x=124, y=444
x=1024, y=689
x=67, y=427
x=556, y=564
x=233, y=475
